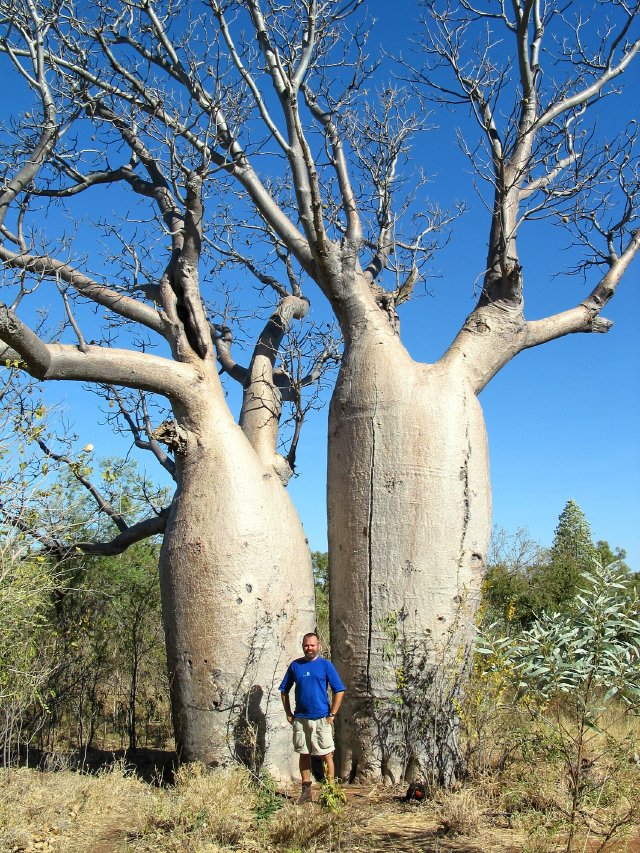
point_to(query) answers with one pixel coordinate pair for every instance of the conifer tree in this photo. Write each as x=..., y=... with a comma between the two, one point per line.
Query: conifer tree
x=572, y=553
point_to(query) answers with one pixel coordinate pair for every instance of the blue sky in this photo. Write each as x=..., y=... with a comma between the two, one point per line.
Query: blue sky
x=562, y=419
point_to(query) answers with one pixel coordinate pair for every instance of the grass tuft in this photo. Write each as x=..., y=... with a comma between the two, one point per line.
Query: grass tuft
x=459, y=812
x=300, y=828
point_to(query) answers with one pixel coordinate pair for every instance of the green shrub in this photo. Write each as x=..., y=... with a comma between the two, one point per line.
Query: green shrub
x=572, y=670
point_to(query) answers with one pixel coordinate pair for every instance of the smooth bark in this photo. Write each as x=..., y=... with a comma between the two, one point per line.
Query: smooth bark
x=409, y=524
x=237, y=594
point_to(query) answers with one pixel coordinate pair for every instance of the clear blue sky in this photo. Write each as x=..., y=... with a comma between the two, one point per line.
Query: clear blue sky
x=562, y=419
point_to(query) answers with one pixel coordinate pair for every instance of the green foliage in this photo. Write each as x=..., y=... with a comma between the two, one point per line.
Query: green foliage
x=82, y=644
x=592, y=654
x=570, y=670
x=606, y=555
x=109, y=648
x=320, y=564
x=510, y=588
x=63, y=506
x=572, y=553
x=332, y=797
x=26, y=659
x=523, y=580
x=508, y=596
x=268, y=800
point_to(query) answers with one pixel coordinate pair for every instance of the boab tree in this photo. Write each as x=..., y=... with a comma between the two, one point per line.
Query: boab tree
x=235, y=568
x=409, y=492
x=270, y=95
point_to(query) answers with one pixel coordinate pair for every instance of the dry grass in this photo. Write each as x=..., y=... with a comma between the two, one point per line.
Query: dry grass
x=66, y=811
x=522, y=807
x=214, y=809
x=204, y=811
x=459, y=812
x=302, y=828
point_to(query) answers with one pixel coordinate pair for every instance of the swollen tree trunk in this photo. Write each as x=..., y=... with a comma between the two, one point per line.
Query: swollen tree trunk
x=409, y=525
x=237, y=593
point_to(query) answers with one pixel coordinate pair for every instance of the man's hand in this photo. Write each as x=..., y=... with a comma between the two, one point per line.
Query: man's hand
x=330, y=718
x=290, y=719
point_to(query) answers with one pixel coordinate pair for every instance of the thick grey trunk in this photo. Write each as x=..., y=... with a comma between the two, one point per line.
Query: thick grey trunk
x=237, y=596
x=409, y=524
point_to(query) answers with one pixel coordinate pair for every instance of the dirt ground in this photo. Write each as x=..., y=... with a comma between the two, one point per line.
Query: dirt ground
x=382, y=821
x=378, y=819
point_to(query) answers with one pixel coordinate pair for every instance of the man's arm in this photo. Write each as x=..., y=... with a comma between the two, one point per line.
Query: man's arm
x=337, y=690
x=335, y=705
x=287, y=706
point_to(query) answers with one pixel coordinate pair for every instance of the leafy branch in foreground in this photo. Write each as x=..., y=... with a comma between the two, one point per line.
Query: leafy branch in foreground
x=591, y=655
x=571, y=670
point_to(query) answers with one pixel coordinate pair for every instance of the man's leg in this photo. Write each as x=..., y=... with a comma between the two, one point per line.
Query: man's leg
x=305, y=767
x=329, y=769
x=305, y=774
x=301, y=746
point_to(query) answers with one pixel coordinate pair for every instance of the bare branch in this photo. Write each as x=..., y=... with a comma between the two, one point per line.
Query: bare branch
x=586, y=316
x=34, y=33
x=349, y=206
x=144, y=529
x=247, y=77
x=136, y=431
x=26, y=344
x=135, y=533
x=223, y=338
x=589, y=93
x=95, y=364
x=82, y=344
x=48, y=267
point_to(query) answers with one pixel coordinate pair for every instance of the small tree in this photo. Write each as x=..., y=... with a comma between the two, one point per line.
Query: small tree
x=508, y=589
x=572, y=553
x=606, y=555
x=320, y=562
x=523, y=579
x=135, y=616
x=26, y=647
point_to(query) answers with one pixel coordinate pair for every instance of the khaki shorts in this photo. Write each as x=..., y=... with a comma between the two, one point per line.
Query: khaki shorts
x=312, y=737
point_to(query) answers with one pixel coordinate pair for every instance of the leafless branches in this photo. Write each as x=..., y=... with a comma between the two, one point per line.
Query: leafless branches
x=534, y=75
x=283, y=362
x=190, y=110
x=240, y=135
x=542, y=154
x=162, y=122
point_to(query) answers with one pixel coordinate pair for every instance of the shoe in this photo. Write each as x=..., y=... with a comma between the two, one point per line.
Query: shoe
x=305, y=796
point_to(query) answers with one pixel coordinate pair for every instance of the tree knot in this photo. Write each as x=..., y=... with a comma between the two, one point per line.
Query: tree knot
x=171, y=435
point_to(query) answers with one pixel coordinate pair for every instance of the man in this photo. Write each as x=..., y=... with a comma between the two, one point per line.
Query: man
x=313, y=718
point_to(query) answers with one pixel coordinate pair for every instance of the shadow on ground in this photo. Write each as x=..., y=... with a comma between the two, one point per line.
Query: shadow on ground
x=154, y=766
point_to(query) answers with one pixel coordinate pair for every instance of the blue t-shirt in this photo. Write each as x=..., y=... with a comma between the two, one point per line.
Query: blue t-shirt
x=311, y=678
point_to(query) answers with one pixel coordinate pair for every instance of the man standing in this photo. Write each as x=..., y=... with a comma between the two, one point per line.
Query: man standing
x=313, y=718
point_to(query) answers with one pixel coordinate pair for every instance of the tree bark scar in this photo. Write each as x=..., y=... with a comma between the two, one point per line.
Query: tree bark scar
x=464, y=476
x=372, y=464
